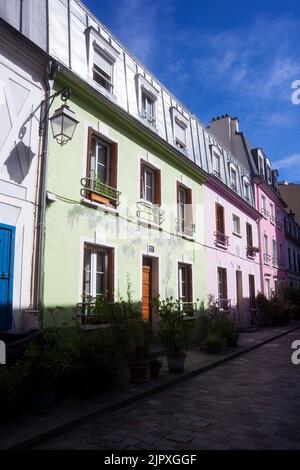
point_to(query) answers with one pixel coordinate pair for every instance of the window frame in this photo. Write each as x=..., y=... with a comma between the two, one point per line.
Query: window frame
x=238, y=219
x=184, y=224
x=108, y=253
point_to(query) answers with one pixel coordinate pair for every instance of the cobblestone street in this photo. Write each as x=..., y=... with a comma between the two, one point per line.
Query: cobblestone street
x=252, y=402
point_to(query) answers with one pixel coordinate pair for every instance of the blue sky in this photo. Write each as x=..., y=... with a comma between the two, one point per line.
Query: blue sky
x=226, y=56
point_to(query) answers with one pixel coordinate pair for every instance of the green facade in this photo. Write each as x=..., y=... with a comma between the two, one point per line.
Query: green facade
x=70, y=222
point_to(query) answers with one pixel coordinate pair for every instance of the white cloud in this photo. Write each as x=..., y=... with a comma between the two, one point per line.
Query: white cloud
x=289, y=167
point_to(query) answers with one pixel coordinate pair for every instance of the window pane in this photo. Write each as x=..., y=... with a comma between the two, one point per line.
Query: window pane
x=103, y=63
x=102, y=162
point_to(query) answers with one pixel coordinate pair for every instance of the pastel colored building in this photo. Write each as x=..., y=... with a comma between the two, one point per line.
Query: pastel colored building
x=22, y=88
x=267, y=198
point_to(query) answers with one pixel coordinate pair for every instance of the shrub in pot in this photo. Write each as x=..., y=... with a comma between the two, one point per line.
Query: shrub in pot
x=42, y=363
x=154, y=366
x=13, y=390
x=215, y=344
x=226, y=329
x=175, y=333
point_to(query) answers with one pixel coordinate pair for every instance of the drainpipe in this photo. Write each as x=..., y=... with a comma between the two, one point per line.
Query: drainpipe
x=44, y=133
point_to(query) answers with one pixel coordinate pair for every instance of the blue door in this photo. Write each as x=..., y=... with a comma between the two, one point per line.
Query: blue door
x=7, y=249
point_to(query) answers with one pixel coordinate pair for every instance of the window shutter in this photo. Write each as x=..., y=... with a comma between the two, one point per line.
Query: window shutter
x=189, y=206
x=177, y=187
x=84, y=274
x=111, y=274
x=104, y=64
x=142, y=179
x=113, y=168
x=89, y=152
x=189, y=284
x=157, y=187
x=225, y=284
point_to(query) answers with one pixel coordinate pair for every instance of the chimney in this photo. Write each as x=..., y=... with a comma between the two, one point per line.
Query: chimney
x=221, y=128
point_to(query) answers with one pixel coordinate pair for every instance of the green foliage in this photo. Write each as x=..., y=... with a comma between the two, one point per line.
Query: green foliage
x=282, y=307
x=226, y=329
x=215, y=344
x=174, y=329
x=13, y=389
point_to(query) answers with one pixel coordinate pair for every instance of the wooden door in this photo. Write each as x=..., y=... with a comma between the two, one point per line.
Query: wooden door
x=146, y=289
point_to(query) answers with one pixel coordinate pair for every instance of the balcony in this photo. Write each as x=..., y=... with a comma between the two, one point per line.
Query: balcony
x=90, y=314
x=264, y=212
x=281, y=264
x=97, y=191
x=150, y=213
x=221, y=239
x=275, y=262
x=251, y=251
x=272, y=219
x=278, y=224
x=188, y=308
x=184, y=228
x=267, y=258
x=223, y=304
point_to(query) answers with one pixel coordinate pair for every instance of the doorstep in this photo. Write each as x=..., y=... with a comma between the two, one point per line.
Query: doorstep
x=30, y=430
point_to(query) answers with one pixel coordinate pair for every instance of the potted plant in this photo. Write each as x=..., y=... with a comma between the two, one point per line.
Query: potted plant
x=215, y=344
x=175, y=333
x=42, y=363
x=154, y=366
x=138, y=365
x=98, y=191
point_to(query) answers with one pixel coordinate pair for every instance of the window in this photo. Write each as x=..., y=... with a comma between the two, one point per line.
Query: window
x=264, y=206
x=290, y=259
x=180, y=134
x=150, y=184
x=103, y=70
x=261, y=166
x=268, y=288
x=100, y=184
x=185, y=284
x=233, y=179
x=216, y=164
x=221, y=238
x=294, y=261
x=275, y=255
x=222, y=288
x=266, y=249
x=98, y=275
x=252, y=296
x=250, y=252
x=280, y=260
x=148, y=108
x=184, y=210
x=269, y=177
x=247, y=190
x=236, y=224
x=272, y=213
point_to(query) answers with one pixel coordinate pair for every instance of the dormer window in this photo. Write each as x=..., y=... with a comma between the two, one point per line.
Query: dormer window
x=180, y=134
x=216, y=164
x=269, y=178
x=103, y=70
x=261, y=166
x=246, y=188
x=148, y=108
x=233, y=178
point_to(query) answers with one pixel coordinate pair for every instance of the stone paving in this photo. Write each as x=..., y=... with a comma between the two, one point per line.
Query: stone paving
x=252, y=402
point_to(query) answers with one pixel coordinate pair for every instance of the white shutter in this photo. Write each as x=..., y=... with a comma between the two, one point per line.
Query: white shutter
x=103, y=63
x=180, y=132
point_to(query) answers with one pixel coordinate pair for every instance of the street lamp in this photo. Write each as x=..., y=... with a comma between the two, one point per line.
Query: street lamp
x=63, y=122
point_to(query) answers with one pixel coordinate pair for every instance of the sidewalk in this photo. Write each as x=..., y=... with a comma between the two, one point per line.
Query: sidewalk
x=29, y=430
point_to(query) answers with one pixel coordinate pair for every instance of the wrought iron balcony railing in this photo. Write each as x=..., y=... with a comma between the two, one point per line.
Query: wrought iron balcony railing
x=252, y=250
x=281, y=264
x=278, y=223
x=183, y=227
x=150, y=213
x=264, y=212
x=272, y=219
x=188, y=308
x=94, y=186
x=221, y=239
x=148, y=117
x=267, y=258
x=223, y=304
x=275, y=262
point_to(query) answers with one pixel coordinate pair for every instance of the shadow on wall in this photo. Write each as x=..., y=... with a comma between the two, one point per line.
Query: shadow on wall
x=18, y=162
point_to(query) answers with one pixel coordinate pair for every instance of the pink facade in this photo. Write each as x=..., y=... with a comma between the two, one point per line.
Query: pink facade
x=231, y=258
x=272, y=237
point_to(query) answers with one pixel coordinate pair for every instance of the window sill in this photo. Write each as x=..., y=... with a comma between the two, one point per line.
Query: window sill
x=152, y=127
x=184, y=235
x=98, y=205
x=149, y=224
x=102, y=90
x=236, y=234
